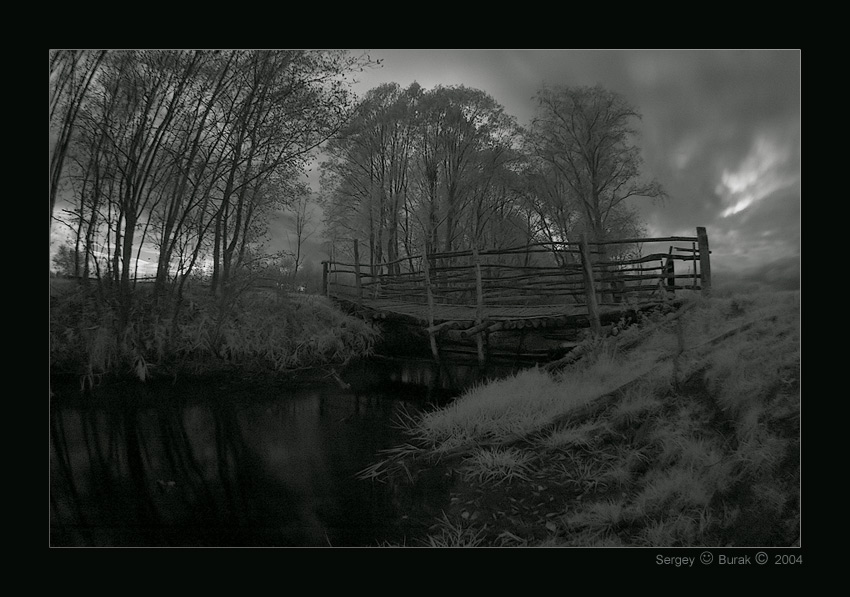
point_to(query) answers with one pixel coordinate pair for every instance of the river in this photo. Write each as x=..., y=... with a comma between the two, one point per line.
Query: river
x=236, y=463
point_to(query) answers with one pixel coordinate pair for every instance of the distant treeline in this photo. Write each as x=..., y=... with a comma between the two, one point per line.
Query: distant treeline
x=426, y=171
x=191, y=152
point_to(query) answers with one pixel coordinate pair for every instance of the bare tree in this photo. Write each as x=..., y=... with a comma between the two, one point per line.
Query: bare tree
x=586, y=140
x=586, y=136
x=303, y=228
x=286, y=104
x=70, y=74
x=417, y=168
x=367, y=171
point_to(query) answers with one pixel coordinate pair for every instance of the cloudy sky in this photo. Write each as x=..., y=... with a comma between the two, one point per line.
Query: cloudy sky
x=721, y=130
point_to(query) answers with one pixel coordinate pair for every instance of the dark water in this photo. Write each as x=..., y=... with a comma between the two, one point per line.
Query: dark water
x=233, y=464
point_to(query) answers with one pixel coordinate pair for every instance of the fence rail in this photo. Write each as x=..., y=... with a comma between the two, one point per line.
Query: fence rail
x=528, y=275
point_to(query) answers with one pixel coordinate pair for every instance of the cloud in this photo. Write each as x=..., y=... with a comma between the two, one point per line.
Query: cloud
x=765, y=232
x=721, y=132
x=762, y=173
x=720, y=129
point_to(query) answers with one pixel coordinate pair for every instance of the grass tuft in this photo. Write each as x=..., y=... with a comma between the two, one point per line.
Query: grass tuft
x=454, y=534
x=495, y=465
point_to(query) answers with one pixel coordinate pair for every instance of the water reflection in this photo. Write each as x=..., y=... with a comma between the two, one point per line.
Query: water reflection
x=220, y=465
x=439, y=382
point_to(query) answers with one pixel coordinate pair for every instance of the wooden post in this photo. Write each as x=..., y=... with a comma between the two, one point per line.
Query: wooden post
x=479, y=304
x=670, y=272
x=357, y=281
x=704, y=261
x=589, y=289
x=325, y=278
x=430, y=298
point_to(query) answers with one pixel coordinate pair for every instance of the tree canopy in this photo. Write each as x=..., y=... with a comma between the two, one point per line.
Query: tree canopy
x=181, y=149
x=191, y=152
x=447, y=169
x=419, y=169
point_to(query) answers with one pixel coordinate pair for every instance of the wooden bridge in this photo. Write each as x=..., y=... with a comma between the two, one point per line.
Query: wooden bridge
x=526, y=301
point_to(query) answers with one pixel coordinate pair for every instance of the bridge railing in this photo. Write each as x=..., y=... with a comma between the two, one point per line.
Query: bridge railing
x=636, y=270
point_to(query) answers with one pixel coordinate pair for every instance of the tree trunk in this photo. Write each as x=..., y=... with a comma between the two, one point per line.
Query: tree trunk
x=216, y=273
x=126, y=260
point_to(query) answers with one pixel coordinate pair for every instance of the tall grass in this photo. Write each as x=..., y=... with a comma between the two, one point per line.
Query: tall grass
x=525, y=403
x=260, y=331
x=302, y=331
x=690, y=436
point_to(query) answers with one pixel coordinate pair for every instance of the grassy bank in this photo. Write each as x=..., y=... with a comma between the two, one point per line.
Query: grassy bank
x=260, y=331
x=683, y=430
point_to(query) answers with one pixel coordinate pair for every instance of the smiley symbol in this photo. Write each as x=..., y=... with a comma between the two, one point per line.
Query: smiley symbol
x=706, y=557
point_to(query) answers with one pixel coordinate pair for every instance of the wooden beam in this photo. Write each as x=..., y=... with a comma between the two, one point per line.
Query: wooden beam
x=589, y=290
x=484, y=326
x=479, y=303
x=357, y=283
x=430, y=298
x=476, y=329
x=670, y=273
x=694, y=266
x=447, y=325
x=704, y=260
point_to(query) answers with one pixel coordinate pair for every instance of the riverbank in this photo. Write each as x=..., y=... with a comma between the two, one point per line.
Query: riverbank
x=263, y=331
x=683, y=430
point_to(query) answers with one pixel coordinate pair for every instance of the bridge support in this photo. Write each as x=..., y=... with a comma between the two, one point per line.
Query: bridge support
x=479, y=305
x=670, y=273
x=430, y=298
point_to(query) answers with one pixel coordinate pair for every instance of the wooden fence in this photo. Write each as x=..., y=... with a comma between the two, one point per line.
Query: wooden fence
x=575, y=273
x=521, y=275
